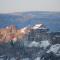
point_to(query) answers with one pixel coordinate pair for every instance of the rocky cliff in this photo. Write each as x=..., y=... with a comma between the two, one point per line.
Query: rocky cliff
x=31, y=43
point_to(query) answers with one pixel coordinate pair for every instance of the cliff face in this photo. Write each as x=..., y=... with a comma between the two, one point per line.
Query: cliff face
x=34, y=43
x=11, y=33
x=37, y=33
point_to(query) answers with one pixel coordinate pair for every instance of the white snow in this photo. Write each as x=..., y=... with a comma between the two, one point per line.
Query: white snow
x=38, y=58
x=23, y=29
x=44, y=44
x=34, y=44
x=54, y=48
x=37, y=26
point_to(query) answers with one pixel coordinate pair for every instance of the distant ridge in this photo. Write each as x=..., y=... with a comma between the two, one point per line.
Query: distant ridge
x=21, y=19
x=32, y=12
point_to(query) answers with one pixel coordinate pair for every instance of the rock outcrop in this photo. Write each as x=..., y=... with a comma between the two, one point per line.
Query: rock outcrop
x=11, y=33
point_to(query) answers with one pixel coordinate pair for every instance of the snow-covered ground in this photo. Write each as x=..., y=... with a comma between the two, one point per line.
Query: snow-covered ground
x=55, y=49
x=39, y=53
x=43, y=44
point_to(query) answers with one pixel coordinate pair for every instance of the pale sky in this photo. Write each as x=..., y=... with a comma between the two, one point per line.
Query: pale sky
x=8, y=6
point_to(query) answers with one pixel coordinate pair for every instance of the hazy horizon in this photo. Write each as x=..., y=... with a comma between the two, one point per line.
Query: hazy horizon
x=9, y=6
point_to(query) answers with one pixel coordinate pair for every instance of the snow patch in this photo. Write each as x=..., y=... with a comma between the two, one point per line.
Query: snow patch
x=54, y=48
x=44, y=44
x=37, y=26
x=23, y=29
x=38, y=58
x=34, y=44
